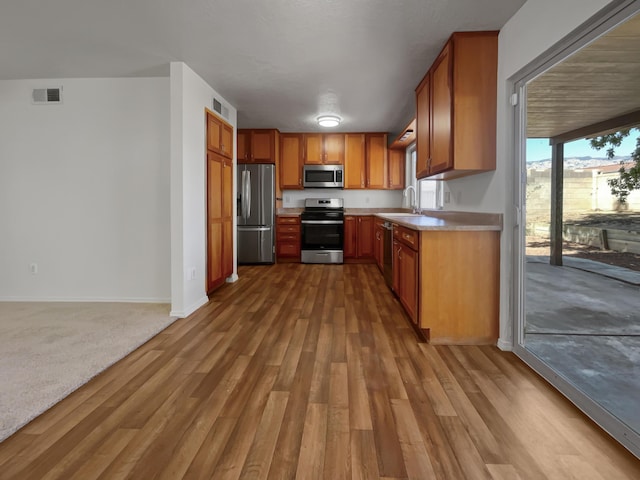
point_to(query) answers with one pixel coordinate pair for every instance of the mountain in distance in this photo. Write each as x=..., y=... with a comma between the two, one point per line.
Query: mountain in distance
x=579, y=163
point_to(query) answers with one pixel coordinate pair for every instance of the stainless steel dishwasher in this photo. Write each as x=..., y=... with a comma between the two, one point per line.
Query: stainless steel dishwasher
x=387, y=263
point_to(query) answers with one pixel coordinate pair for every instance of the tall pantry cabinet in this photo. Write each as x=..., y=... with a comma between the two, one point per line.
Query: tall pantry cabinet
x=219, y=201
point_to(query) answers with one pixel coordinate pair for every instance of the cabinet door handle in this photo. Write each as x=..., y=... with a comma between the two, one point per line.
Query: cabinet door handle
x=399, y=252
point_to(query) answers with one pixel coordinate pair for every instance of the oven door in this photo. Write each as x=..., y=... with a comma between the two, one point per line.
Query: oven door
x=322, y=234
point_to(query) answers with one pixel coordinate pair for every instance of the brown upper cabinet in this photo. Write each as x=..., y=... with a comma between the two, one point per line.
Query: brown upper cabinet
x=257, y=146
x=456, y=108
x=369, y=164
x=219, y=136
x=423, y=126
x=376, y=148
x=323, y=148
x=396, y=169
x=397, y=155
x=354, y=160
x=291, y=160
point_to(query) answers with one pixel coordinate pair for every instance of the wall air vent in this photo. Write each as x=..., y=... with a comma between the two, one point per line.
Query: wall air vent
x=220, y=109
x=46, y=96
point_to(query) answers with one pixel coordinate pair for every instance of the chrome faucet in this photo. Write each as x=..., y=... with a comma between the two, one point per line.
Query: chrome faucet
x=413, y=205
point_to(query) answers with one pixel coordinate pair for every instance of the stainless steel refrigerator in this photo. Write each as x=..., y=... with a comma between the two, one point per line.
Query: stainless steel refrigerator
x=256, y=213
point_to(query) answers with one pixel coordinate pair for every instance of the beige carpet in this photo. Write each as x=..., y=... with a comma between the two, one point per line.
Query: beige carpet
x=48, y=350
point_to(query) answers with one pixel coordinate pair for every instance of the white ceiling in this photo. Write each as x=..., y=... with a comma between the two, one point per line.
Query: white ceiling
x=275, y=60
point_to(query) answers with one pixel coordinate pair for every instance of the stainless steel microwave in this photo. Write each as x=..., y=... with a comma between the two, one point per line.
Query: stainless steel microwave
x=323, y=176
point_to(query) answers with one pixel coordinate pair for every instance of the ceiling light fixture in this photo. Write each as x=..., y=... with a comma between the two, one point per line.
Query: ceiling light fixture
x=329, y=120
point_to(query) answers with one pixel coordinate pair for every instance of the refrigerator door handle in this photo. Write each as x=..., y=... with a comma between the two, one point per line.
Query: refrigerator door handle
x=243, y=195
x=254, y=229
x=247, y=195
x=242, y=182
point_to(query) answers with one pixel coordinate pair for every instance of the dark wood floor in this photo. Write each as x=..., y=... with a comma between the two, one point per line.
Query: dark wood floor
x=311, y=372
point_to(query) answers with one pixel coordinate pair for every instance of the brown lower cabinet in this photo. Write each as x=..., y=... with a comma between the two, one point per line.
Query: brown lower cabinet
x=288, y=239
x=448, y=283
x=405, y=269
x=358, y=238
x=378, y=243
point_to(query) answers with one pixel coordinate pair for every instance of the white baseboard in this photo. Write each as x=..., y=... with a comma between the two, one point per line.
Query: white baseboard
x=505, y=345
x=233, y=278
x=87, y=299
x=192, y=308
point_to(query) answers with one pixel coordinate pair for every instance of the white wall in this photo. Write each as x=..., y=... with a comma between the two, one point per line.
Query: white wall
x=190, y=94
x=352, y=198
x=84, y=191
x=536, y=27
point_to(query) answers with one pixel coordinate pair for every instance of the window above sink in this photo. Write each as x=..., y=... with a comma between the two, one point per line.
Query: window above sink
x=428, y=192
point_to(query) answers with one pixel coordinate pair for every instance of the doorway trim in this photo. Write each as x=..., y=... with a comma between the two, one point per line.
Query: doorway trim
x=610, y=16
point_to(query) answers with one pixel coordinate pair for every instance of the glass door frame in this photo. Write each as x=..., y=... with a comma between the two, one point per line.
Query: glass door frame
x=610, y=16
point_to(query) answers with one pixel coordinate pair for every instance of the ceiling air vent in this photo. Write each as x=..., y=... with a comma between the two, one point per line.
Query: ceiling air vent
x=220, y=109
x=406, y=135
x=46, y=96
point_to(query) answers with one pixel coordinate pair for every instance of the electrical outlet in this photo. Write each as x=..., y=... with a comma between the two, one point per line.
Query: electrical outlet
x=366, y=199
x=447, y=197
x=33, y=268
x=287, y=199
x=192, y=274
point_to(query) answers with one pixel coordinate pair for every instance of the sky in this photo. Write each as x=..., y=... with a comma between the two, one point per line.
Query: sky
x=539, y=148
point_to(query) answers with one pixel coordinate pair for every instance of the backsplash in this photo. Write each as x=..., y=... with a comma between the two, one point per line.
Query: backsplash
x=352, y=198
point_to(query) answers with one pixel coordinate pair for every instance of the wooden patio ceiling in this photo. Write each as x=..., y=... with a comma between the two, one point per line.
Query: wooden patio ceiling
x=598, y=83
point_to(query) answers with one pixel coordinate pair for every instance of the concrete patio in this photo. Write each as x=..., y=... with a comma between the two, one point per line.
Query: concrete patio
x=583, y=320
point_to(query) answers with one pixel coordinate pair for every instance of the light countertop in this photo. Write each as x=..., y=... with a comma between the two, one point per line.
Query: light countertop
x=441, y=220
x=289, y=212
x=429, y=220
